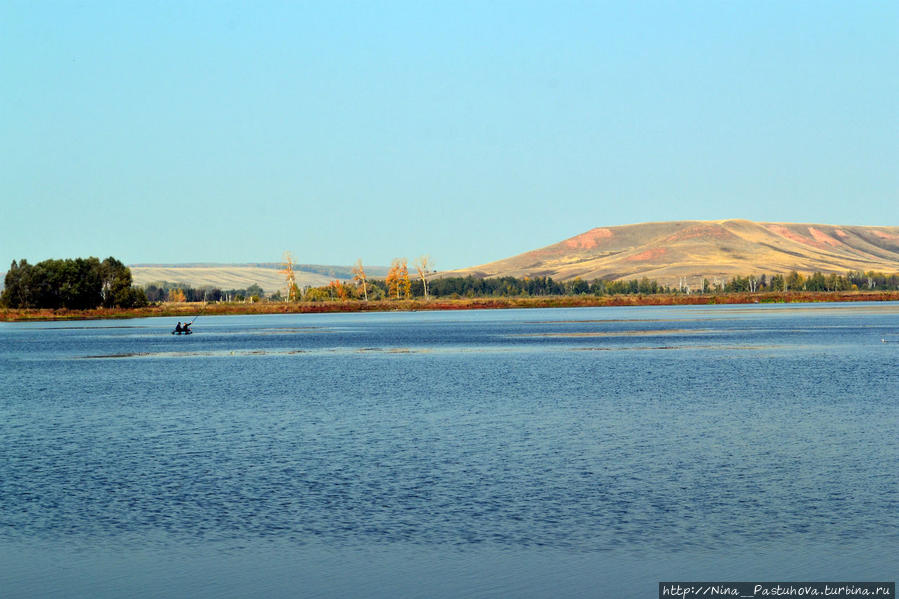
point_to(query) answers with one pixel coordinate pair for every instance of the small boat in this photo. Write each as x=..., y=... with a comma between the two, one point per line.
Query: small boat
x=182, y=332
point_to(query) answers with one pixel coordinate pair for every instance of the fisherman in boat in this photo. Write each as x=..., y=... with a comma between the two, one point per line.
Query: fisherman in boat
x=186, y=328
x=178, y=328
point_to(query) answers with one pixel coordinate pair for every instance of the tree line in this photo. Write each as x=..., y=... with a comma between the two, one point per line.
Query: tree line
x=399, y=284
x=817, y=281
x=78, y=284
x=85, y=283
x=165, y=291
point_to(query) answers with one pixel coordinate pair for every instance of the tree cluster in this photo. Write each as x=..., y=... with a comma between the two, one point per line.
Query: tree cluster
x=399, y=286
x=817, y=281
x=164, y=291
x=79, y=284
x=538, y=286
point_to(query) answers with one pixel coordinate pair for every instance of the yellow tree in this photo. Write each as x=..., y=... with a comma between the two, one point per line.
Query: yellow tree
x=393, y=279
x=339, y=289
x=336, y=288
x=424, y=265
x=359, y=277
x=405, y=285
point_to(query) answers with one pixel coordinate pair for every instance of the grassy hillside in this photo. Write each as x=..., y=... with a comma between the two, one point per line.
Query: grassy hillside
x=670, y=251
x=241, y=276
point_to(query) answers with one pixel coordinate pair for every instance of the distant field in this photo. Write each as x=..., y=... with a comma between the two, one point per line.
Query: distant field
x=229, y=276
x=241, y=276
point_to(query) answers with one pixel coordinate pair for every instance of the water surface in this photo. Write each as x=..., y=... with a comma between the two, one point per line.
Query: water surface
x=534, y=453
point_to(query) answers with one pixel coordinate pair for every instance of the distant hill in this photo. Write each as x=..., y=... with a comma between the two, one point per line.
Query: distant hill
x=240, y=276
x=671, y=251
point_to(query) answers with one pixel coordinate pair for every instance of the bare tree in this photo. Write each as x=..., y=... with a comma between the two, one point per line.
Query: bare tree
x=287, y=271
x=424, y=265
x=359, y=276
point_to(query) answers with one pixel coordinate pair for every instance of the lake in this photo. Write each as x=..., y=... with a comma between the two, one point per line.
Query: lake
x=587, y=452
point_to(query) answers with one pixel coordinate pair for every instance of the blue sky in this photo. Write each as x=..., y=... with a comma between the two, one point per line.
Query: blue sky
x=470, y=131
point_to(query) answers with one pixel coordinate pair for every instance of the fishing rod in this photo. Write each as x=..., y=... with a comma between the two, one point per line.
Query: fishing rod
x=198, y=314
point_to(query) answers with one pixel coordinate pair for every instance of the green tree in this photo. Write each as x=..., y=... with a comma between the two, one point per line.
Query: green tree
x=82, y=283
x=256, y=291
x=795, y=281
x=578, y=286
x=778, y=283
x=816, y=282
x=17, y=286
x=116, y=285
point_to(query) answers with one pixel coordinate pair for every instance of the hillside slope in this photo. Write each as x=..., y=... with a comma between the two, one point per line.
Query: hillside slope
x=241, y=276
x=671, y=251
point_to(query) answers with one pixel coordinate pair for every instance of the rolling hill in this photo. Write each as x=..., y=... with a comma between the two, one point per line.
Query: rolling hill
x=241, y=276
x=670, y=252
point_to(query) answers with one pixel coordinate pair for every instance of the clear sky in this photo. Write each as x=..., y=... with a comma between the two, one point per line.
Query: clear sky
x=470, y=131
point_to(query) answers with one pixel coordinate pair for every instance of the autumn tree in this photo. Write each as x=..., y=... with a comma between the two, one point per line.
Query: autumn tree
x=424, y=265
x=339, y=290
x=317, y=294
x=405, y=285
x=293, y=291
x=393, y=279
x=359, y=277
x=398, y=283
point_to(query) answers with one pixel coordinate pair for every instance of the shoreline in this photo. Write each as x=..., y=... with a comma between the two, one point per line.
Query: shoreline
x=173, y=309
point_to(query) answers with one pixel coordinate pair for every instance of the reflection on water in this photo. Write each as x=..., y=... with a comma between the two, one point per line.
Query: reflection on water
x=446, y=454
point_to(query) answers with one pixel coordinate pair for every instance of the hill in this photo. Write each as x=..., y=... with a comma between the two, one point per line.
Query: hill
x=241, y=276
x=670, y=252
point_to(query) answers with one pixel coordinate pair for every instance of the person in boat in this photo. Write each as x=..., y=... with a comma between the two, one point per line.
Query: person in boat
x=186, y=328
x=178, y=328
